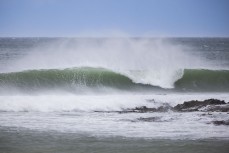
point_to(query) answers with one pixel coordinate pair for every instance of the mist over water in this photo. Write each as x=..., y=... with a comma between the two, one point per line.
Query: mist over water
x=86, y=65
x=156, y=62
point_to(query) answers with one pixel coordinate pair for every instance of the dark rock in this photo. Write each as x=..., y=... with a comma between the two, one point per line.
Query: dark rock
x=120, y=112
x=209, y=105
x=165, y=108
x=150, y=119
x=195, y=105
x=214, y=102
x=143, y=109
x=203, y=114
x=221, y=122
x=151, y=100
x=218, y=108
x=206, y=114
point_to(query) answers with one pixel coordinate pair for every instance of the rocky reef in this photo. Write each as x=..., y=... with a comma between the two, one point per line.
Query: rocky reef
x=221, y=122
x=207, y=106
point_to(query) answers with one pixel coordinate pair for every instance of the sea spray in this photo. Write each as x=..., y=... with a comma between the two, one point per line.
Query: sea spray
x=156, y=62
x=66, y=102
x=55, y=86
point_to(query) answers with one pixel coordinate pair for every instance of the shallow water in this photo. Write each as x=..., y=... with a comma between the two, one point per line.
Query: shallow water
x=23, y=140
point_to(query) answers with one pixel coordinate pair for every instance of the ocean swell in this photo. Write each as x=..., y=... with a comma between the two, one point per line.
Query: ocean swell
x=87, y=77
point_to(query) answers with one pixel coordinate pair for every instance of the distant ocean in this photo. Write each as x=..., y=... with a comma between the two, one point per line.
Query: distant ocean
x=66, y=94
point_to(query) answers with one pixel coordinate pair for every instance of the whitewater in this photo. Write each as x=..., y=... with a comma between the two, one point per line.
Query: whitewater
x=79, y=86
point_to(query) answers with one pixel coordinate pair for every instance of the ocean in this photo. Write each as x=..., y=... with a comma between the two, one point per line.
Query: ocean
x=74, y=94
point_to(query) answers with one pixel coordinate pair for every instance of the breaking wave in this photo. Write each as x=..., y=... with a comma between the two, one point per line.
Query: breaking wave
x=82, y=78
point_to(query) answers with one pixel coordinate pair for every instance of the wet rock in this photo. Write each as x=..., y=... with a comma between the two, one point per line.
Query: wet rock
x=209, y=105
x=206, y=114
x=164, y=108
x=120, y=112
x=144, y=109
x=151, y=100
x=222, y=122
x=195, y=105
x=217, y=108
x=150, y=119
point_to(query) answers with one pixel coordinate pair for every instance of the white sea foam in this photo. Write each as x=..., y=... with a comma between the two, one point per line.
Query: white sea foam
x=170, y=125
x=88, y=103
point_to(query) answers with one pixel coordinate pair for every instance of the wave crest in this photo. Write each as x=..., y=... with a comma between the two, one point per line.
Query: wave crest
x=75, y=78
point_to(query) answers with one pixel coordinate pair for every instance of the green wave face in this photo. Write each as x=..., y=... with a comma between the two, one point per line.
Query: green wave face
x=203, y=80
x=64, y=79
x=98, y=78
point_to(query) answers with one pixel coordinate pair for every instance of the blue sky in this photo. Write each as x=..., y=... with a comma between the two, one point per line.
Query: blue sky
x=75, y=18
